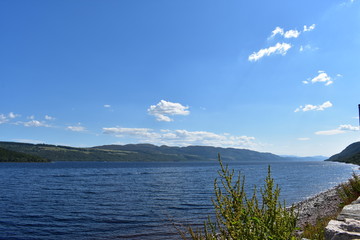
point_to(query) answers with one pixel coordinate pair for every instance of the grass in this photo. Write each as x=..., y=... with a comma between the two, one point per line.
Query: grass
x=317, y=231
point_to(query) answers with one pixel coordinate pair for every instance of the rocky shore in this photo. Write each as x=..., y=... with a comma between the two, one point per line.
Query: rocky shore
x=322, y=205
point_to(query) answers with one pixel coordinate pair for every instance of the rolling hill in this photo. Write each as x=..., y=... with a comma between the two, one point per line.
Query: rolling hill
x=138, y=152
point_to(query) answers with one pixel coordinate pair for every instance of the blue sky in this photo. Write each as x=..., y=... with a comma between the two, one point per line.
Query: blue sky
x=276, y=76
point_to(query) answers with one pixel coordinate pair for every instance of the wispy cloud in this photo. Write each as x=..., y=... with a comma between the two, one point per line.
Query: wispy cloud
x=279, y=48
x=182, y=137
x=310, y=107
x=34, y=123
x=310, y=28
x=341, y=129
x=78, y=128
x=5, y=118
x=49, y=118
x=107, y=106
x=307, y=47
x=13, y=115
x=133, y=132
x=292, y=33
x=276, y=31
x=303, y=139
x=347, y=3
x=164, y=109
x=329, y=132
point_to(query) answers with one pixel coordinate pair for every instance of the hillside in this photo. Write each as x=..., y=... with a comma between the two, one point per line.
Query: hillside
x=12, y=156
x=138, y=152
x=351, y=154
x=196, y=152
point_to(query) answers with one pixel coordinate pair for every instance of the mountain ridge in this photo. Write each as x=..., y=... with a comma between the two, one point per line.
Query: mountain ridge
x=141, y=152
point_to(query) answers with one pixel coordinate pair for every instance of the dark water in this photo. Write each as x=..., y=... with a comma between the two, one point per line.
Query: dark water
x=106, y=200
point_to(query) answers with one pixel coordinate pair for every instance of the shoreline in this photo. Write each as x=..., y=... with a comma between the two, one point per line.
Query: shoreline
x=323, y=204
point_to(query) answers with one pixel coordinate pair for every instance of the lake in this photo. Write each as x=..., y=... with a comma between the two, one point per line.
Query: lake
x=142, y=200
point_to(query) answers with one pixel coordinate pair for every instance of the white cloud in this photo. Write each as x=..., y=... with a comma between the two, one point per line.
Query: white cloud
x=3, y=119
x=322, y=77
x=164, y=108
x=307, y=47
x=310, y=107
x=348, y=127
x=279, y=48
x=6, y=118
x=292, y=34
x=76, y=128
x=276, y=31
x=288, y=34
x=133, y=132
x=347, y=3
x=341, y=129
x=47, y=117
x=310, y=28
x=107, y=106
x=330, y=132
x=13, y=115
x=303, y=139
x=182, y=137
x=34, y=123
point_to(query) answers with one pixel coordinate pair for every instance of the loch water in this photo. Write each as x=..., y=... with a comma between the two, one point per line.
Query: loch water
x=142, y=200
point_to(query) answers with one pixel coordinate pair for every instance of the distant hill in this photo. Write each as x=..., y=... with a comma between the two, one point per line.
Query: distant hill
x=193, y=153
x=309, y=158
x=139, y=152
x=12, y=156
x=351, y=154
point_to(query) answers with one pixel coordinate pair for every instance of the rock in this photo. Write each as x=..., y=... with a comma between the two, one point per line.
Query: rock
x=351, y=211
x=347, y=225
x=342, y=230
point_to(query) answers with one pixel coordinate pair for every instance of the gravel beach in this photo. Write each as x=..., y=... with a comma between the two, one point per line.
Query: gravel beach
x=322, y=205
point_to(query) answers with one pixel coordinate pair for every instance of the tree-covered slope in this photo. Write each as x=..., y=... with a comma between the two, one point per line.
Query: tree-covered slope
x=12, y=156
x=197, y=152
x=351, y=154
x=63, y=153
x=138, y=152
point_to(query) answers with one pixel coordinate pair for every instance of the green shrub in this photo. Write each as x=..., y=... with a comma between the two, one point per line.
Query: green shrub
x=350, y=191
x=242, y=218
x=317, y=231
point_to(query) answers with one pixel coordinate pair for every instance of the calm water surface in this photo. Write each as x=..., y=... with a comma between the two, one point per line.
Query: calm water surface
x=107, y=200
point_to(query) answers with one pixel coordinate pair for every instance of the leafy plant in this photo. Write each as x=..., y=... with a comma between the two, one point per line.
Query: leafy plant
x=317, y=231
x=243, y=218
x=350, y=191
